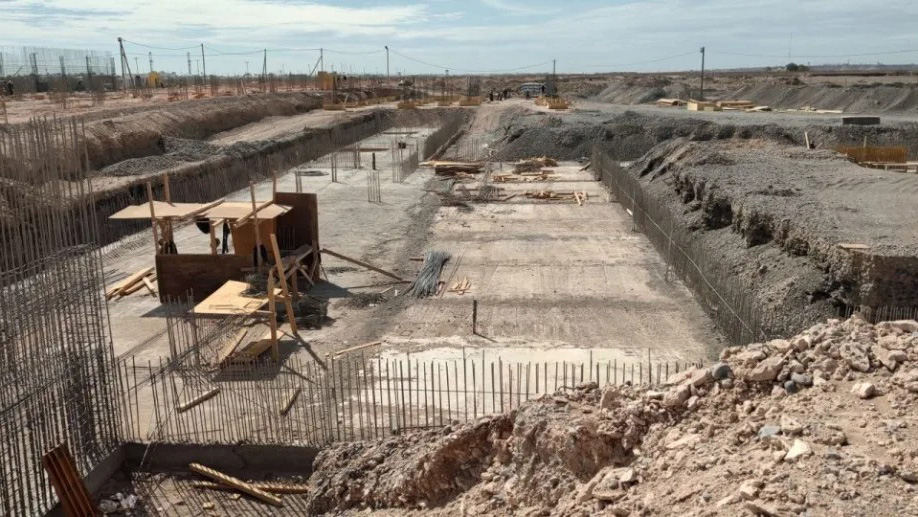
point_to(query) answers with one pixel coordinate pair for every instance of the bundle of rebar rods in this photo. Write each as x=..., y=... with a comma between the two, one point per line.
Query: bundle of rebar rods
x=428, y=280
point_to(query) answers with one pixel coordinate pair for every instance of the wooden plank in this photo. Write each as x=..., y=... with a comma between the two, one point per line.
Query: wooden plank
x=68, y=485
x=185, y=406
x=290, y=401
x=153, y=217
x=279, y=263
x=236, y=483
x=364, y=264
x=274, y=488
x=149, y=285
x=128, y=282
x=228, y=299
x=272, y=320
x=230, y=347
x=356, y=348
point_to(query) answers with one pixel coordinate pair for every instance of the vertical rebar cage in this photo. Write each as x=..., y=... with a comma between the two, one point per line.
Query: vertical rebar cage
x=56, y=359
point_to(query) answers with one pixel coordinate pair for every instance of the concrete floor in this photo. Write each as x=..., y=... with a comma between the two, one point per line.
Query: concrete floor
x=554, y=276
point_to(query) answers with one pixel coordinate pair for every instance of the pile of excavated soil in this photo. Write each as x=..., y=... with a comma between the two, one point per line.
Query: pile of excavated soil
x=175, y=151
x=775, y=217
x=140, y=134
x=853, y=99
x=823, y=423
x=523, y=133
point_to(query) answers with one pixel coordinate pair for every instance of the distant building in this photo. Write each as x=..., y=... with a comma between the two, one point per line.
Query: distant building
x=535, y=88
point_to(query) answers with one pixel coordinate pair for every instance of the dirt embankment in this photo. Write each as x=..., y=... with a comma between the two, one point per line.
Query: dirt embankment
x=628, y=136
x=822, y=423
x=807, y=233
x=142, y=134
x=780, y=91
x=852, y=99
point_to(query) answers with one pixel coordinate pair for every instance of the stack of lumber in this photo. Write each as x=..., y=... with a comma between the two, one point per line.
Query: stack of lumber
x=453, y=168
x=461, y=286
x=558, y=104
x=548, y=195
x=526, y=177
x=534, y=164
x=738, y=104
x=144, y=278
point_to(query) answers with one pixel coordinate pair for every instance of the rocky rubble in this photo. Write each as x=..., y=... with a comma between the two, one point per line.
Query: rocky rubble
x=822, y=423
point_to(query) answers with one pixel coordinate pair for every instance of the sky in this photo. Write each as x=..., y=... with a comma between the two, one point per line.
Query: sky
x=471, y=36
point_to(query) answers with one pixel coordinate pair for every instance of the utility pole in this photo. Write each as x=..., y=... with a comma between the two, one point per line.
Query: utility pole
x=264, y=72
x=151, y=62
x=204, y=66
x=125, y=67
x=321, y=59
x=553, y=69
x=88, y=74
x=246, y=68
x=701, y=96
x=387, y=61
x=136, y=65
x=189, y=63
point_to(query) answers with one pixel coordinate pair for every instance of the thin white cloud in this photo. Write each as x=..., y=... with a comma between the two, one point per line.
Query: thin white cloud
x=516, y=8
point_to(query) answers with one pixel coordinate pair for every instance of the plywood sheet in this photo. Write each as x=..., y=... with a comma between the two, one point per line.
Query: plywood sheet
x=239, y=209
x=163, y=210
x=229, y=300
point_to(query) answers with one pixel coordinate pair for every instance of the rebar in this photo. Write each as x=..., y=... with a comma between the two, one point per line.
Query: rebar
x=57, y=377
x=428, y=280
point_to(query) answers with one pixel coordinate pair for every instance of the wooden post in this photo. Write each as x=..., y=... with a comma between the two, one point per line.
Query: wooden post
x=166, y=191
x=153, y=218
x=475, y=317
x=255, y=222
x=279, y=266
x=213, y=237
x=272, y=308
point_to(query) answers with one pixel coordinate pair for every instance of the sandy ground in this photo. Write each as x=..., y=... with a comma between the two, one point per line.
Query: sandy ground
x=276, y=127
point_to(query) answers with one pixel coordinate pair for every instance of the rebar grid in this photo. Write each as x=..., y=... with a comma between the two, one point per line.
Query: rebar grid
x=57, y=372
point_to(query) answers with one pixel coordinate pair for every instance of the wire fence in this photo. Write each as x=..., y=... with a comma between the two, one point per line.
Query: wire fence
x=726, y=299
x=307, y=402
x=42, y=69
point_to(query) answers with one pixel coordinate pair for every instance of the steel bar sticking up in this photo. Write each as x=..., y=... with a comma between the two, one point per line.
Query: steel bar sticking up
x=57, y=381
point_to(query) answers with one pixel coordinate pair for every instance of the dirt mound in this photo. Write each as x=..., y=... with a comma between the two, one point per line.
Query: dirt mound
x=642, y=89
x=819, y=424
x=853, y=99
x=141, y=134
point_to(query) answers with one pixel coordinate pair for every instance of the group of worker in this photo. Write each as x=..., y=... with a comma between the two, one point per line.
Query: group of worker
x=501, y=95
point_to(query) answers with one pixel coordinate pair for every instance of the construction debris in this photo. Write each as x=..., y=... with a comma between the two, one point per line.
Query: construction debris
x=526, y=177
x=534, y=164
x=443, y=168
x=461, y=286
x=548, y=195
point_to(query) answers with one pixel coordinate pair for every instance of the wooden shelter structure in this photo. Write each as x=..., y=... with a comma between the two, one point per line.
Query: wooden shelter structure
x=288, y=222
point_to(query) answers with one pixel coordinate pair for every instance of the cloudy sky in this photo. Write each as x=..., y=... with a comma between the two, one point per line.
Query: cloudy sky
x=472, y=35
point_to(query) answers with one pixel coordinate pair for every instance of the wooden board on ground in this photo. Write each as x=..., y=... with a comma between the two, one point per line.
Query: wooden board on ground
x=235, y=483
x=129, y=282
x=230, y=300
